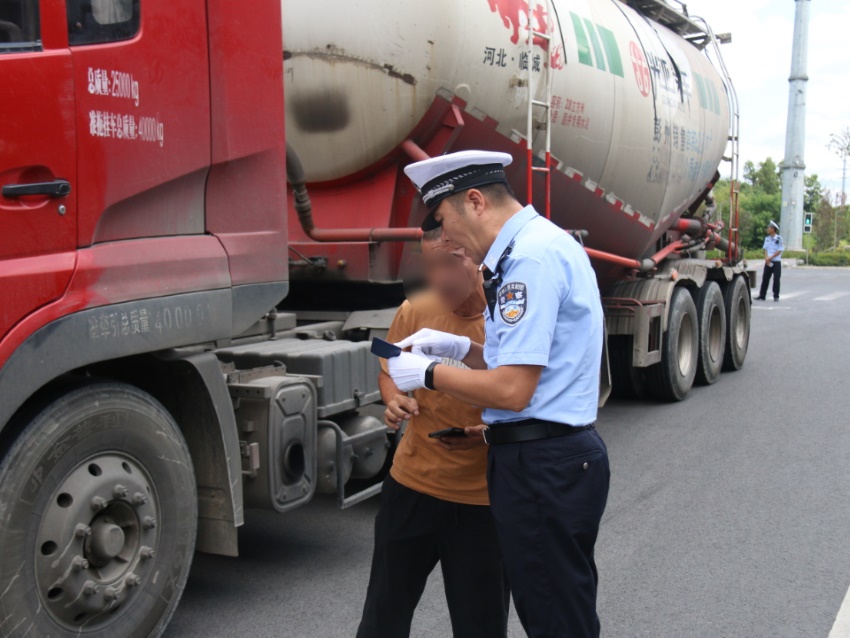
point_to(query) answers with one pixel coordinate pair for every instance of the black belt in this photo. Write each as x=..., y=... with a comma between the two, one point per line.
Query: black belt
x=529, y=430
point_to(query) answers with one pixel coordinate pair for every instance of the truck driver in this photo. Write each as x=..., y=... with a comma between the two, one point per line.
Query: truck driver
x=434, y=504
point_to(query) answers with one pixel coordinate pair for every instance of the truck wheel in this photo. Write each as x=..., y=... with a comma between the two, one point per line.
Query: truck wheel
x=98, y=514
x=672, y=378
x=629, y=382
x=712, y=333
x=738, y=311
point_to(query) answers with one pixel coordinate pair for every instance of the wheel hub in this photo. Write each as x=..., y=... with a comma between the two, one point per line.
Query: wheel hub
x=96, y=540
x=105, y=542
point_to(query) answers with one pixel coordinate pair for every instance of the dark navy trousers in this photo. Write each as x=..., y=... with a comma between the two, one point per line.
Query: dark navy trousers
x=547, y=498
x=774, y=270
x=414, y=532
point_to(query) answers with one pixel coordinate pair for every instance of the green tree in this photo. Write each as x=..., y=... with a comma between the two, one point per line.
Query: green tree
x=721, y=199
x=757, y=208
x=814, y=193
x=830, y=218
x=823, y=226
x=760, y=201
x=764, y=177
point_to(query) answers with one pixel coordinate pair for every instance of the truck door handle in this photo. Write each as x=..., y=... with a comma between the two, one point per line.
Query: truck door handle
x=56, y=188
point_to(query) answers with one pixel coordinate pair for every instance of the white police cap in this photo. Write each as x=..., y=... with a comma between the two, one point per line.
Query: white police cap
x=774, y=224
x=439, y=177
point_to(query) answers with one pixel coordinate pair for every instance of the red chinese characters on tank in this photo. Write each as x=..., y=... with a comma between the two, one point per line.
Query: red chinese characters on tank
x=557, y=59
x=514, y=14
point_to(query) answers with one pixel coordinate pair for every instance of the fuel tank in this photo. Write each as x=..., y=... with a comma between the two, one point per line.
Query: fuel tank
x=638, y=113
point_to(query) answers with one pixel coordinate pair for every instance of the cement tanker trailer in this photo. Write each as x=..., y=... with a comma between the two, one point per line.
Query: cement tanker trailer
x=618, y=115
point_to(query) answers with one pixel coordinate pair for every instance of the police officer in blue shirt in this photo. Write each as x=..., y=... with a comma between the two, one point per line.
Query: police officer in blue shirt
x=536, y=375
x=773, y=247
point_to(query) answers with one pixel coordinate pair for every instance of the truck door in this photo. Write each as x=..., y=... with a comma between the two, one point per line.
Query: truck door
x=141, y=70
x=38, y=211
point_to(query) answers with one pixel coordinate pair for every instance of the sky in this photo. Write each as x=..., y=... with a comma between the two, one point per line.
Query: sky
x=759, y=61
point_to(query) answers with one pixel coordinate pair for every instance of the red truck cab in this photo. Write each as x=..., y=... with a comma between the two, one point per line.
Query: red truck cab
x=142, y=210
x=129, y=148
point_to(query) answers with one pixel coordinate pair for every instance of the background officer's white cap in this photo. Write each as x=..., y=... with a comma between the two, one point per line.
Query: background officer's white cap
x=774, y=224
x=439, y=177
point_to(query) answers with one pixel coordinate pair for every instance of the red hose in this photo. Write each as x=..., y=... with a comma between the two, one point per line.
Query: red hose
x=612, y=258
x=304, y=208
x=364, y=234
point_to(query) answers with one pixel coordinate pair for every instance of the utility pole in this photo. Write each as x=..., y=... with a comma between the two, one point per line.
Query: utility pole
x=793, y=166
x=839, y=143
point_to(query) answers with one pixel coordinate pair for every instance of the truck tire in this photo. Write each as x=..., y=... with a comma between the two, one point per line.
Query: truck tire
x=628, y=381
x=712, y=333
x=98, y=515
x=672, y=378
x=738, y=311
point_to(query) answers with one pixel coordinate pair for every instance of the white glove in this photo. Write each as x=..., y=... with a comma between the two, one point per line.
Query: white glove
x=408, y=371
x=435, y=344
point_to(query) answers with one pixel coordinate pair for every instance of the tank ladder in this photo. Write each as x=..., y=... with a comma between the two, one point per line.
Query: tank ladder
x=545, y=104
x=734, y=190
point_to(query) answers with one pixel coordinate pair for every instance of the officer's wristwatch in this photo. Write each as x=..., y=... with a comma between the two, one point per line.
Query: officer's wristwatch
x=429, y=375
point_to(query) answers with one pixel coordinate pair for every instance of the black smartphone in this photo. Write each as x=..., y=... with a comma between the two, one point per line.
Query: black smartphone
x=384, y=349
x=447, y=432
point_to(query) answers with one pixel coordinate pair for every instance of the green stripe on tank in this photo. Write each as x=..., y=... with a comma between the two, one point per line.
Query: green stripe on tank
x=703, y=102
x=581, y=40
x=715, y=98
x=597, y=50
x=612, y=51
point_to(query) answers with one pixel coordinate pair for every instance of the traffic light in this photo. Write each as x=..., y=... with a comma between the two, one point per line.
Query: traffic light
x=808, y=219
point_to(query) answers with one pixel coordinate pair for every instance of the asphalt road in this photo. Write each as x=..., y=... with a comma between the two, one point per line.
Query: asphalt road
x=728, y=516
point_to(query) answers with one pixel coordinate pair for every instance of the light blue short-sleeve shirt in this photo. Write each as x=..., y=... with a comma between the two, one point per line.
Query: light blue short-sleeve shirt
x=548, y=313
x=774, y=244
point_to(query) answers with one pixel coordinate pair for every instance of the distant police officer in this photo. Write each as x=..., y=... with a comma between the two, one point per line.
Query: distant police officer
x=773, y=247
x=537, y=376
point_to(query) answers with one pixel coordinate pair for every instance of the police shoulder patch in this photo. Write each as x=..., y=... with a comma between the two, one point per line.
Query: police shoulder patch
x=513, y=302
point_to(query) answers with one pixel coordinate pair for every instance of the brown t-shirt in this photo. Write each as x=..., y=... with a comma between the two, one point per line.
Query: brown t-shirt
x=420, y=462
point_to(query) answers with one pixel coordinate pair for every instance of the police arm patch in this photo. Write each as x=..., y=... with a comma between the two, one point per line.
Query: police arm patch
x=513, y=302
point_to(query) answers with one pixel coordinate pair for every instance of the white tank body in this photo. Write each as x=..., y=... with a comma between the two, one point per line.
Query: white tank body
x=635, y=108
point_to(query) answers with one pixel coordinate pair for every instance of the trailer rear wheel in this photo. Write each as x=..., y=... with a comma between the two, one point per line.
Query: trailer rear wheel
x=712, y=333
x=98, y=514
x=672, y=378
x=738, y=311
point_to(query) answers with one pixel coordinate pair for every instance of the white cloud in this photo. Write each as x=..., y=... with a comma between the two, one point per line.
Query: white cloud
x=759, y=61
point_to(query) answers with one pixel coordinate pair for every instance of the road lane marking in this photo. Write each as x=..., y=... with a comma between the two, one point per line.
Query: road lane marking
x=841, y=626
x=796, y=293
x=833, y=296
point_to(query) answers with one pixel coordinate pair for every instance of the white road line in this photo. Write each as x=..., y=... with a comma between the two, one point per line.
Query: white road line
x=841, y=626
x=833, y=296
x=796, y=293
